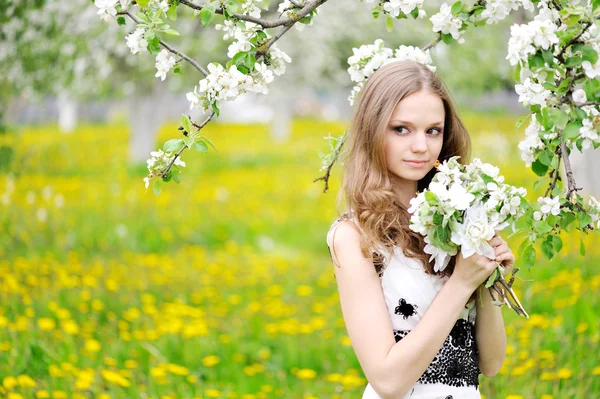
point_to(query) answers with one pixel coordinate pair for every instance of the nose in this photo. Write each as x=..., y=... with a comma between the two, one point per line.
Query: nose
x=419, y=143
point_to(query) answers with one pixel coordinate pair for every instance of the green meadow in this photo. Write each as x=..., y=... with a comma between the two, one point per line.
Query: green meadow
x=222, y=286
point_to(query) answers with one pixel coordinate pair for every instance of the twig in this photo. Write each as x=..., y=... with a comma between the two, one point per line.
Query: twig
x=169, y=47
x=572, y=41
x=568, y=170
x=310, y=5
x=164, y=172
x=325, y=177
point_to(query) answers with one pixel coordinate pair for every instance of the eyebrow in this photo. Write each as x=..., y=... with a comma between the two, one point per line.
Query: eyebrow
x=408, y=123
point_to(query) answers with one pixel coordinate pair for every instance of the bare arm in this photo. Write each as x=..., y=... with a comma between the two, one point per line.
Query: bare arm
x=392, y=367
x=490, y=336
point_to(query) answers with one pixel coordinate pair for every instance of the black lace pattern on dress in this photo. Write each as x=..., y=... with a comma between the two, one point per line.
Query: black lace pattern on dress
x=405, y=309
x=457, y=362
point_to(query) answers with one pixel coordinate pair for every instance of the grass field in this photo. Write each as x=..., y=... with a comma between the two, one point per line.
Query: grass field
x=222, y=286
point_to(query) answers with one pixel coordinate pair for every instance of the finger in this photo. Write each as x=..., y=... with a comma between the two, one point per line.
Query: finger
x=495, y=241
x=500, y=249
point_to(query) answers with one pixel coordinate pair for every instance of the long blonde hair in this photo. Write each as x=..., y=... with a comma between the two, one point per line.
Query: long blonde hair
x=366, y=185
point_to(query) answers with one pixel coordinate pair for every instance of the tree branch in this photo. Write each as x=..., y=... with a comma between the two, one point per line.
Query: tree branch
x=164, y=172
x=308, y=7
x=325, y=177
x=572, y=41
x=568, y=169
x=170, y=48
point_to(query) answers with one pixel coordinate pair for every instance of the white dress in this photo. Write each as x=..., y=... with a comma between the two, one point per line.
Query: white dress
x=409, y=291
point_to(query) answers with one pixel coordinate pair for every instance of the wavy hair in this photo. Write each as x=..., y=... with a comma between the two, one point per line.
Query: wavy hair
x=366, y=183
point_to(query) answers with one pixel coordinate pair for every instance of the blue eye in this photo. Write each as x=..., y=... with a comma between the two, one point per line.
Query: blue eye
x=399, y=128
x=437, y=131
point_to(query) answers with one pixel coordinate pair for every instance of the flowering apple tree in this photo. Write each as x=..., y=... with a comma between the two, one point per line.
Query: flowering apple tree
x=555, y=57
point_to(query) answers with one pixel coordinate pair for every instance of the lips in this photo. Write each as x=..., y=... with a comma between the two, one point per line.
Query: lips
x=415, y=163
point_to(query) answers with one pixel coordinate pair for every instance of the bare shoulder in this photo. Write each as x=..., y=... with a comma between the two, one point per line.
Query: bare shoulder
x=343, y=240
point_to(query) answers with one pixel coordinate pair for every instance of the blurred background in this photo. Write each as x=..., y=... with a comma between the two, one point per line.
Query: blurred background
x=222, y=286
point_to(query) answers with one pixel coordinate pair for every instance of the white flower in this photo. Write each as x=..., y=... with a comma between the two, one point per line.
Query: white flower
x=531, y=93
x=164, y=63
x=106, y=8
x=459, y=197
x=579, y=96
x=549, y=205
x=475, y=232
x=591, y=71
x=531, y=142
x=590, y=133
x=442, y=258
x=446, y=23
x=136, y=41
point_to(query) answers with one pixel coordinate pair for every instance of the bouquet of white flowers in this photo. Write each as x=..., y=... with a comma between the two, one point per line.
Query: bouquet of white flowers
x=462, y=209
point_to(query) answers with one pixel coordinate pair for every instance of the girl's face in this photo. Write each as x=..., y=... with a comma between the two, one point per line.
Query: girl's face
x=414, y=136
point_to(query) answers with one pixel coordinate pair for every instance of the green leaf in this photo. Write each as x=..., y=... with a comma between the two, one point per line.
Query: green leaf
x=173, y=145
x=548, y=247
x=573, y=61
x=521, y=120
x=171, y=32
x=490, y=281
x=186, y=123
x=582, y=247
x=200, y=146
x=595, y=4
x=415, y=13
x=587, y=52
x=543, y=227
x=557, y=243
x=168, y=177
x=566, y=219
x=447, y=38
x=153, y=42
x=539, y=168
x=529, y=255
x=142, y=3
x=517, y=74
x=537, y=183
x=536, y=61
x=583, y=219
x=156, y=186
x=249, y=61
x=172, y=13
x=546, y=157
x=210, y=143
x=207, y=14
x=176, y=178
x=457, y=7
x=215, y=108
x=523, y=246
x=548, y=57
x=389, y=24
x=177, y=69
x=557, y=118
x=121, y=20
x=572, y=130
x=431, y=198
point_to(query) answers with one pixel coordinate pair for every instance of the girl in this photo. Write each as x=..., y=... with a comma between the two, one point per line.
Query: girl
x=415, y=333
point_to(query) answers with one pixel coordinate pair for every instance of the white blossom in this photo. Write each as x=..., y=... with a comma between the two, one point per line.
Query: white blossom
x=446, y=23
x=579, y=96
x=549, y=205
x=164, y=63
x=106, y=8
x=473, y=235
x=136, y=41
x=531, y=93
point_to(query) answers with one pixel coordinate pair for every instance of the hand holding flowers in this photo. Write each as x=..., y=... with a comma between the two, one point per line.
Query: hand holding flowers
x=462, y=209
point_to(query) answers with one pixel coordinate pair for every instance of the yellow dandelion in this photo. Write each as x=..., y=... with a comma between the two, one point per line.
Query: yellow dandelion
x=131, y=364
x=306, y=374
x=115, y=378
x=70, y=327
x=92, y=345
x=544, y=396
x=211, y=360
x=14, y=395
x=9, y=382
x=42, y=394
x=109, y=361
x=212, y=393
x=514, y=397
x=78, y=396
x=345, y=340
x=176, y=369
x=59, y=395
x=46, y=324
x=5, y=346
x=596, y=371
x=564, y=373
x=192, y=379
x=547, y=376
x=26, y=381
x=304, y=290
x=158, y=372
